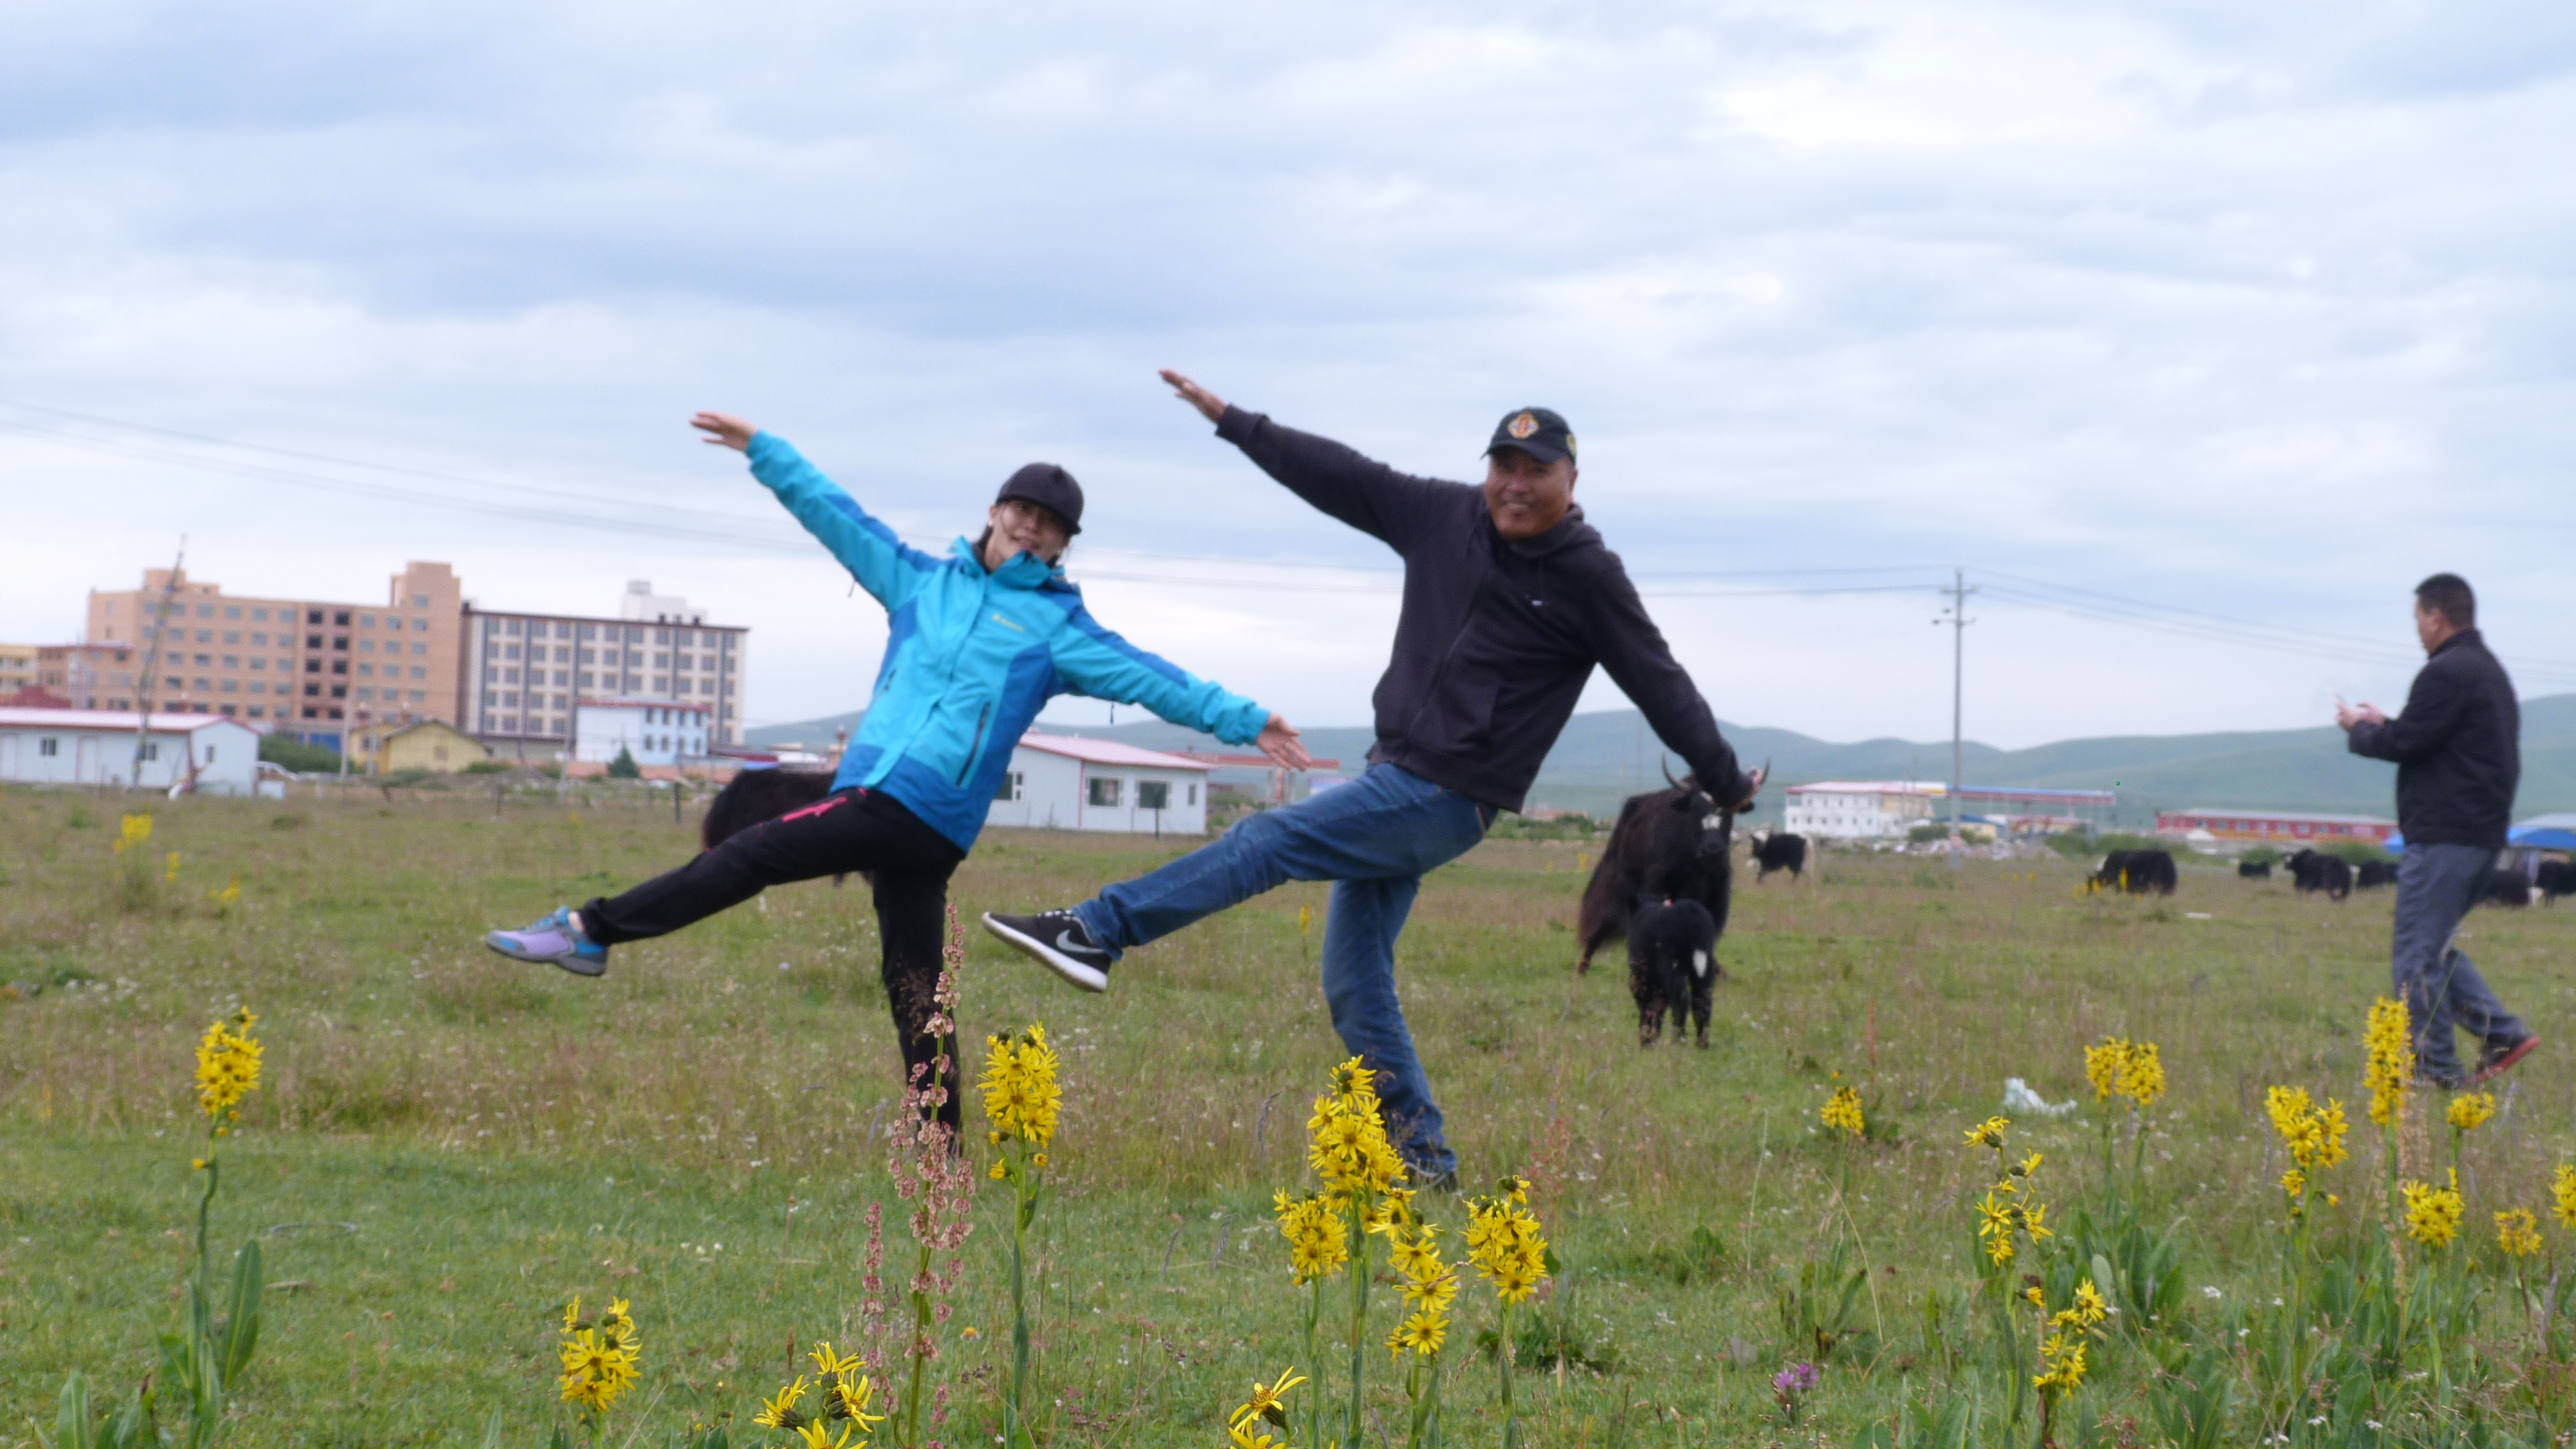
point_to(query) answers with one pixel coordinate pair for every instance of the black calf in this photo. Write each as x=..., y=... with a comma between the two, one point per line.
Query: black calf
x=1672, y=965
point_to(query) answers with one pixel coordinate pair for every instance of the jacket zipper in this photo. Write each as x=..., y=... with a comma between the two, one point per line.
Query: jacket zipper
x=981, y=715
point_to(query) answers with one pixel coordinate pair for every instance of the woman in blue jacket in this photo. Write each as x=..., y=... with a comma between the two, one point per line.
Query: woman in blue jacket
x=978, y=641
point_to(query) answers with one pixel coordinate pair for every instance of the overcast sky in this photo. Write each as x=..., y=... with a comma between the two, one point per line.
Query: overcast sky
x=2260, y=311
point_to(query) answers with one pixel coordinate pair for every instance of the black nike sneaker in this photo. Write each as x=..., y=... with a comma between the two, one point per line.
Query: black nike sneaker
x=1057, y=939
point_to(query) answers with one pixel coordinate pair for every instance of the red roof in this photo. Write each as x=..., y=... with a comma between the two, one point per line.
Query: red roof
x=1110, y=752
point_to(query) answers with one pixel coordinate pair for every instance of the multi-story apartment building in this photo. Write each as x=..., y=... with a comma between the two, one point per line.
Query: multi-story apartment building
x=310, y=668
x=524, y=672
x=91, y=676
x=17, y=668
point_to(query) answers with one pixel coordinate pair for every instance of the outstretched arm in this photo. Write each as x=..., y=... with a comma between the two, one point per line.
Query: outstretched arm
x=1096, y=662
x=1632, y=649
x=1393, y=507
x=884, y=565
x=2432, y=712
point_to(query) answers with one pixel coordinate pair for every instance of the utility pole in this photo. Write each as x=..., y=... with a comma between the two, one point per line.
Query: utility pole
x=1956, y=616
x=152, y=666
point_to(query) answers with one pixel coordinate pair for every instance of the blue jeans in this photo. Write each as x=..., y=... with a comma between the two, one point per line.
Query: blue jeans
x=1373, y=839
x=2437, y=886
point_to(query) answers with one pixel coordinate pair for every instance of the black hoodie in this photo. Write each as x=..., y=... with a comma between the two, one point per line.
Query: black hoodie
x=1497, y=638
x=2458, y=748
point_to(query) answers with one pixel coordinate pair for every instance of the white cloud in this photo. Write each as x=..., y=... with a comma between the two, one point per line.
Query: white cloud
x=2257, y=310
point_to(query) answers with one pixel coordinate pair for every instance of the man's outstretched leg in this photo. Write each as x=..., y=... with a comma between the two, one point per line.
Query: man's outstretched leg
x=1387, y=823
x=1360, y=929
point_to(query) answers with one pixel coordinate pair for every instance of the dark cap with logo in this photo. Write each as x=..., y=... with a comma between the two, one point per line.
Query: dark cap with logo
x=1539, y=432
x=1050, y=488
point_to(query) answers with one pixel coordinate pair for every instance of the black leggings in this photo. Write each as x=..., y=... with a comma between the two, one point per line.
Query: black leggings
x=856, y=830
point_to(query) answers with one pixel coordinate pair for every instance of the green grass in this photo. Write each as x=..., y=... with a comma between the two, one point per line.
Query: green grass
x=449, y=1146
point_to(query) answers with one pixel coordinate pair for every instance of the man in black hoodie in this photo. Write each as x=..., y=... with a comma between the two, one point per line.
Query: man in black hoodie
x=2458, y=748
x=1510, y=600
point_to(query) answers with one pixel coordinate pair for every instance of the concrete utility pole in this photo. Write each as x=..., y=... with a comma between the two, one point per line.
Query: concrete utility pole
x=1956, y=616
x=152, y=667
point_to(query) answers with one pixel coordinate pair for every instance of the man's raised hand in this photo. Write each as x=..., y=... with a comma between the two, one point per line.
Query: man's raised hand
x=1210, y=406
x=724, y=430
x=1278, y=740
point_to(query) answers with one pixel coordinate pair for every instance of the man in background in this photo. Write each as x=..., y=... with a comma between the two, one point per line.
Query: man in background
x=2458, y=749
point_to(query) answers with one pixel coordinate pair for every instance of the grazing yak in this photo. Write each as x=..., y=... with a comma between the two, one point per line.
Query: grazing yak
x=1672, y=964
x=2372, y=874
x=2136, y=871
x=2508, y=889
x=2556, y=878
x=2253, y=870
x=2314, y=870
x=1779, y=850
x=1670, y=845
x=757, y=795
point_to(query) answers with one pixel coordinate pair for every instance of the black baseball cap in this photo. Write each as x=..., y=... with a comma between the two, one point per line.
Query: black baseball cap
x=1050, y=488
x=1539, y=432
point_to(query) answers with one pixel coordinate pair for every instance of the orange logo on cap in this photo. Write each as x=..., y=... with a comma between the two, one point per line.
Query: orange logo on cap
x=1523, y=426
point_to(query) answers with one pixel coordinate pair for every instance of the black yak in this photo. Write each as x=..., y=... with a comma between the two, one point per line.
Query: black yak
x=757, y=795
x=1779, y=850
x=2314, y=870
x=1671, y=845
x=2136, y=871
x=1672, y=964
x=2371, y=874
x=2253, y=870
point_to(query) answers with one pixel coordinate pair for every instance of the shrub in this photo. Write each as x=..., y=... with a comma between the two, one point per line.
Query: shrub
x=296, y=755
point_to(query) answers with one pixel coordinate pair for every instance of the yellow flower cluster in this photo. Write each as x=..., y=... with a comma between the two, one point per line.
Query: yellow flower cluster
x=2470, y=1110
x=1430, y=1286
x=131, y=832
x=2061, y=1355
x=2006, y=1208
x=1346, y=1142
x=2562, y=1194
x=227, y=1065
x=1022, y=1098
x=2388, y=1044
x=848, y=1396
x=2313, y=1134
x=2518, y=1232
x=2123, y=1068
x=1268, y=1404
x=1504, y=1243
x=599, y=1359
x=2433, y=1213
x=1842, y=1110
x=1319, y=1241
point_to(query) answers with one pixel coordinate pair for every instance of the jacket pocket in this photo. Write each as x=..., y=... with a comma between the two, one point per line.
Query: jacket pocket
x=983, y=717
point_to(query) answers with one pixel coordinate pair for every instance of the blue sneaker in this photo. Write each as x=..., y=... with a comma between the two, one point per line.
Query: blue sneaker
x=553, y=939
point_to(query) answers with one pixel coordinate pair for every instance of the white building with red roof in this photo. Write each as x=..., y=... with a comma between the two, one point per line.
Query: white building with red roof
x=1058, y=782
x=208, y=752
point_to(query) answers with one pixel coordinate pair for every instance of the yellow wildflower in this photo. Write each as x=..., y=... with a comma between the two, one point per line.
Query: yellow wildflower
x=2034, y=1221
x=852, y=1394
x=2518, y=1232
x=2102, y=1066
x=1989, y=1133
x=2313, y=1134
x=2037, y=1298
x=227, y=1066
x=1268, y=1401
x=1022, y=1098
x=2063, y=1361
x=2294, y=1182
x=828, y=1363
x=2433, y=1213
x=779, y=1412
x=2470, y=1110
x=2142, y=1076
x=1319, y=1241
x=2027, y=1165
x=1504, y=1244
x=1247, y=1438
x=2562, y=1194
x=1842, y=1110
x=2089, y=1308
x=131, y=831
x=2388, y=1046
x=596, y=1370
x=1422, y=1333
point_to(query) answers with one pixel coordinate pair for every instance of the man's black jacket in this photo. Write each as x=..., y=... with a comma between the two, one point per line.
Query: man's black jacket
x=1497, y=638
x=2458, y=748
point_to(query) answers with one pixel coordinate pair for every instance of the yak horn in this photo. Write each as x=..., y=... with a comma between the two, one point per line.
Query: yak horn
x=1667, y=767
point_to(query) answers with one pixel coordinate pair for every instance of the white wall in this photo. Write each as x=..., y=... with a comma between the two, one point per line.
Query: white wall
x=602, y=730
x=1055, y=795
x=225, y=753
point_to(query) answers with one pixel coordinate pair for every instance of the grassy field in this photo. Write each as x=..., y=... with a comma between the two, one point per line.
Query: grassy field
x=449, y=1146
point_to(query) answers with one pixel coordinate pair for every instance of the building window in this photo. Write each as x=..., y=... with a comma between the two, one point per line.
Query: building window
x=1194, y=794
x=49, y=747
x=1153, y=795
x=1104, y=790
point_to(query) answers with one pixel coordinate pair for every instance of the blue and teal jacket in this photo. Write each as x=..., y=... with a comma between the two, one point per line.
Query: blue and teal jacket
x=971, y=656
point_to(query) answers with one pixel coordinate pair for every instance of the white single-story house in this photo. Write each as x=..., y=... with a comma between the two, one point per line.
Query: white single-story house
x=653, y=731
x=1058, y=782
x=96, y=747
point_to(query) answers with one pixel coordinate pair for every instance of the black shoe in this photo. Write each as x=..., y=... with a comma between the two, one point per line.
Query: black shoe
x=1058, y=940
x=1438, y=1184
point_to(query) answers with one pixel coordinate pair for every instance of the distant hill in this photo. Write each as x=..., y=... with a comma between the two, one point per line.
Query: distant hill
x=1603, y=757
